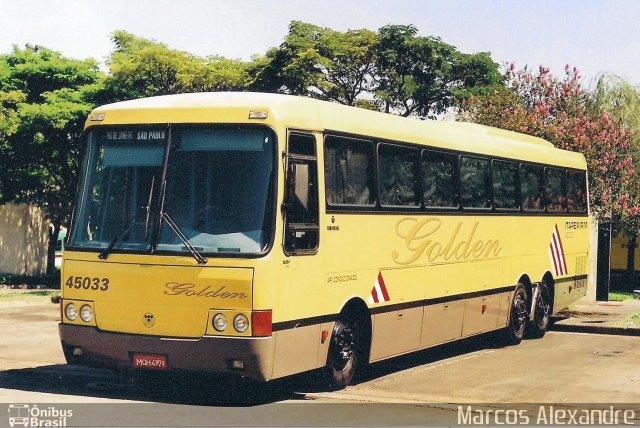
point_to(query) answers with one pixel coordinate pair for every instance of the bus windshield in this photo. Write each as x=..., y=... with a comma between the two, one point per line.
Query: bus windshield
x=218, y=189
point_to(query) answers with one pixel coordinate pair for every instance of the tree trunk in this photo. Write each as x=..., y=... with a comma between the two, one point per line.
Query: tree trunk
x=51, y=251
x=631, y=254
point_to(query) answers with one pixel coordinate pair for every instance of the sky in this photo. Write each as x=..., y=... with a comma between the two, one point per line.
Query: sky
x=596, y=36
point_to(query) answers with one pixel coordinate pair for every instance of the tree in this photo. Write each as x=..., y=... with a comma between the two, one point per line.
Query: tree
x=424, y=75
x=318, y=62
x=44, y=100
x=393, y=70
x=142, y=68
x=562, y=112
x=621, y=100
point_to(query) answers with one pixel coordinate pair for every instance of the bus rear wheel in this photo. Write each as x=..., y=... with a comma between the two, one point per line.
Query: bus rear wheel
x=344, y=357
x=541, y=312
x=518, y=317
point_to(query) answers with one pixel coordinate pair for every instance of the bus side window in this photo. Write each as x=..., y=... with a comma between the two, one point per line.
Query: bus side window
x=439, y=179
x=505, y=185
x=576, y=192
x=301, y=198
x=475, y=182
x=531, y=188
x=555, y=195
x=397, y=176
x=349, y=172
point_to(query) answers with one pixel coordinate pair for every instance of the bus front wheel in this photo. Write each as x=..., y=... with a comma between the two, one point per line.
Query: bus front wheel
x=518, y=317
x=343, y=357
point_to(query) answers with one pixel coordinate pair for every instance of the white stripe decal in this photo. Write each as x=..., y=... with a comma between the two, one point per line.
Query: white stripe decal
x=378, y=291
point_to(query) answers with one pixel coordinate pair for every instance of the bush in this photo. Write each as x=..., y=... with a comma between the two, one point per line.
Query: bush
x=30, y=282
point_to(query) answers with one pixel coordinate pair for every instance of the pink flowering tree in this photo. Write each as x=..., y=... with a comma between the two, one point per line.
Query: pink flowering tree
x=561, y=111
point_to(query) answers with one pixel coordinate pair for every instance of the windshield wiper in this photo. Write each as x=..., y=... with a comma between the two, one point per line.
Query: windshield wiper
x=122, y=234
x=173, y=226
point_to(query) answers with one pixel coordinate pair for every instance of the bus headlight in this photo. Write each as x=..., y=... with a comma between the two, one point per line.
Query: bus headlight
x=71, y=312
x=86, y=313
x=241, y=323
x=219, y=322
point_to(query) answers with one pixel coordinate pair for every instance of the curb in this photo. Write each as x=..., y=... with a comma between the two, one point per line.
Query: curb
x=616, y=331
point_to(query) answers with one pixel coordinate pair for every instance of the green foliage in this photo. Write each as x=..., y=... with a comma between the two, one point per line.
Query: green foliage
x=620, y=296
x=35, y=71
x=424, y=75
x=143, y=68
x=44, y=100
x=621, y=101
x=394, y=69
x=318, y=62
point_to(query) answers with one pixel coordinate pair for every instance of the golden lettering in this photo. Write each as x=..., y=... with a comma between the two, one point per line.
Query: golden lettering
x=477, y=249
x=422, y=238
x=447, y=249
x=430, y=226
x=492, y=245
x=188, y=289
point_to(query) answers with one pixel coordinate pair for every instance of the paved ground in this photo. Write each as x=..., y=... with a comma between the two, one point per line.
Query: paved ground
x=601, y=317
x=560, y=368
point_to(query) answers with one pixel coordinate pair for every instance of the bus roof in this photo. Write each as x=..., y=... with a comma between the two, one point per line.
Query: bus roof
x=296, y=112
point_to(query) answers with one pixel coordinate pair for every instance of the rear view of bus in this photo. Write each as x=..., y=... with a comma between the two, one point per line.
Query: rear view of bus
x=158, y=270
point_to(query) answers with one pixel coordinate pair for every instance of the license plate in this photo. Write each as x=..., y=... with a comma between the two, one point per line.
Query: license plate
x=150, y=362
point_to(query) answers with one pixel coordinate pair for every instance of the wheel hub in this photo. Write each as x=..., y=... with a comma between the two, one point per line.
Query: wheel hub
x=344, y=347
x=520, y=307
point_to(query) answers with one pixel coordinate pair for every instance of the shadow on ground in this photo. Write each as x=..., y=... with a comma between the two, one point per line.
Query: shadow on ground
x=183, y=388
x=207, y=390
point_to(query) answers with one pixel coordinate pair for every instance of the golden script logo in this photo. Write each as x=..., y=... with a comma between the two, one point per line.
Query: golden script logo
x=424, y=238
x=190, y=290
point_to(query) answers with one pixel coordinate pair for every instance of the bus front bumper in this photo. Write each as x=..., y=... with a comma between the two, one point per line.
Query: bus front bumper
x=93, y=347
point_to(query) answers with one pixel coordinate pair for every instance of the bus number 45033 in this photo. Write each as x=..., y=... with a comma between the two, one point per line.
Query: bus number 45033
x=87, y=283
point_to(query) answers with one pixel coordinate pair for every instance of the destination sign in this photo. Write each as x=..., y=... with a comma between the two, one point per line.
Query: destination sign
x=129, y=135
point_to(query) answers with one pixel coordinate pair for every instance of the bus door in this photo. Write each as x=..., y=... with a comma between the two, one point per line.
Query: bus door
x=301, y=204
x=299, y=288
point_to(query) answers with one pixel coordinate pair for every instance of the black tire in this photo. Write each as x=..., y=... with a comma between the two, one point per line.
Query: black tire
x=541, y=312
x=344, y=357
x=518, y=317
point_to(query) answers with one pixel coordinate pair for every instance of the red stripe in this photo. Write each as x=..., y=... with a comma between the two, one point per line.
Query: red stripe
x=562, y=269
x=374, y=294
x=385, y=294
x=564, y=261
x=558, y=255
x=553, y=257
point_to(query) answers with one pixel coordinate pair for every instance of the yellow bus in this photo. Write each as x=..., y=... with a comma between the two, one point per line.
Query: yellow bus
x=265, y=235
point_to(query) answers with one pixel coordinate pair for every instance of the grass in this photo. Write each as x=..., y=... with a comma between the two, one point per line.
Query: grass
x=11, y=295
x=619, y=296
x=634, y=321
